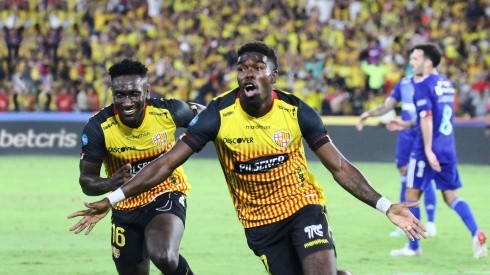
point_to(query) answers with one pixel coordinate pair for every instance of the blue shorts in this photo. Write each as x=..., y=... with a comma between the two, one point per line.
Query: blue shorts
x=403, y=147
x=420, y=174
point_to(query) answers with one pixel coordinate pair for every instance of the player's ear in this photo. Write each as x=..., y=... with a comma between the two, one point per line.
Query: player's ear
x=147, y=91
x=274, y=76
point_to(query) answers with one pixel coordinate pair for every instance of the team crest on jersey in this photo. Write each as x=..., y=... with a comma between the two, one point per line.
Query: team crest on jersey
x=282, y=138
x=116, y=252
x=160, y=139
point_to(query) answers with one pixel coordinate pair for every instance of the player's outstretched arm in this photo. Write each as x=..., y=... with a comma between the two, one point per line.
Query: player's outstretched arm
x=151, y=175
x=382, y=109
x=395, y=125
x=158, y=170
x=352, y=180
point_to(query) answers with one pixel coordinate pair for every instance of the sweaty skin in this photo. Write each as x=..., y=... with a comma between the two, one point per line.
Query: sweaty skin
x=129, y=94
x=255, y=80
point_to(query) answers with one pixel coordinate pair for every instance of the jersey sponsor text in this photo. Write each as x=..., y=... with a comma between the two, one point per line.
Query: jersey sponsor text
x=261, y=164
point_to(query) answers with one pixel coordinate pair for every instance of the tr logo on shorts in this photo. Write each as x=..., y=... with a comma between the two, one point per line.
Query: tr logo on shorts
x=313, y=230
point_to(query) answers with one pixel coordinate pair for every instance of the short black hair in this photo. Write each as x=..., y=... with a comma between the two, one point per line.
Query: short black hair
x=259, y=47
x=128, y=67
x=431, y=51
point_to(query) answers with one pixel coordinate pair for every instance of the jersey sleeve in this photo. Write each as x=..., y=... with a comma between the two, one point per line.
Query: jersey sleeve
x=396, y=93
x=203, y=128
x=312, y=127
x=421, y=99
x=181, y=112
x=93, y=143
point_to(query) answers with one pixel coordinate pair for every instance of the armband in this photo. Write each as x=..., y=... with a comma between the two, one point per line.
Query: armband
x=425, y=113
x=383, y=204
x=116, y=196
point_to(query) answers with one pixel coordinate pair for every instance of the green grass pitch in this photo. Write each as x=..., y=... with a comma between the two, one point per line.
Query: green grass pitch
x=39, y=192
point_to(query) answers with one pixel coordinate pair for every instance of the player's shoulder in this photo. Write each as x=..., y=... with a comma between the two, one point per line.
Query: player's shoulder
x=166, y=103
x=434, y=77
x=103, y=115
x=288, y=98
x=405, y=80
x=224, y=100
x=441, y=77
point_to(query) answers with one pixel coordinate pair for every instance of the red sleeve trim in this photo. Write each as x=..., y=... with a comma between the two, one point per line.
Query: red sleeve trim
x=319, y=142
x=195, y=146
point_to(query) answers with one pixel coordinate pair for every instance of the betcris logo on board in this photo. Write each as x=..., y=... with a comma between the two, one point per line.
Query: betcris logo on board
x=31, y=139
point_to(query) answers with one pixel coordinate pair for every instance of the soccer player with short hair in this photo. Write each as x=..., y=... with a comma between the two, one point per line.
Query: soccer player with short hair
x=258, y=132
x=434, y=151
x=125, y=137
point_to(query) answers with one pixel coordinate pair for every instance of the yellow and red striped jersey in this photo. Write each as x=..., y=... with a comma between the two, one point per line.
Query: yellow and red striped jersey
x=263, y=159
x=107, y=140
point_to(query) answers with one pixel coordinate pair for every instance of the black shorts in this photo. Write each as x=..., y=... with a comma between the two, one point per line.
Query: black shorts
x=128, y=227
x=284, y=244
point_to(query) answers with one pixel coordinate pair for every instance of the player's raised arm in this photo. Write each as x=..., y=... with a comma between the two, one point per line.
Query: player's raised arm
x=382, y=109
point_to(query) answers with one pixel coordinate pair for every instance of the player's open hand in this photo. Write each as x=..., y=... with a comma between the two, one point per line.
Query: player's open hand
x=433, y=162
x=395, y=125
x=97, y=208
x=400, y=215
x=88, y=221
x=362, y=119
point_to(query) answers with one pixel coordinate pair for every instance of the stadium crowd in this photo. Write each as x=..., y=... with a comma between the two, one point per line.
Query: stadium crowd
x=340, y=56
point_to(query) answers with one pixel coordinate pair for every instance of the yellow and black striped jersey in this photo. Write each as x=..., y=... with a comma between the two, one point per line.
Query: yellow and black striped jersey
x=263, y=159
x=107, y=140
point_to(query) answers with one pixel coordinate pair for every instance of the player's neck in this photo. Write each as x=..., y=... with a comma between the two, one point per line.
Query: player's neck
x=430, y=71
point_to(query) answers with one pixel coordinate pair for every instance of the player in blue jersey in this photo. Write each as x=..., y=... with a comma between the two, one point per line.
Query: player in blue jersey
x=434, y=153
x=403, y=93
